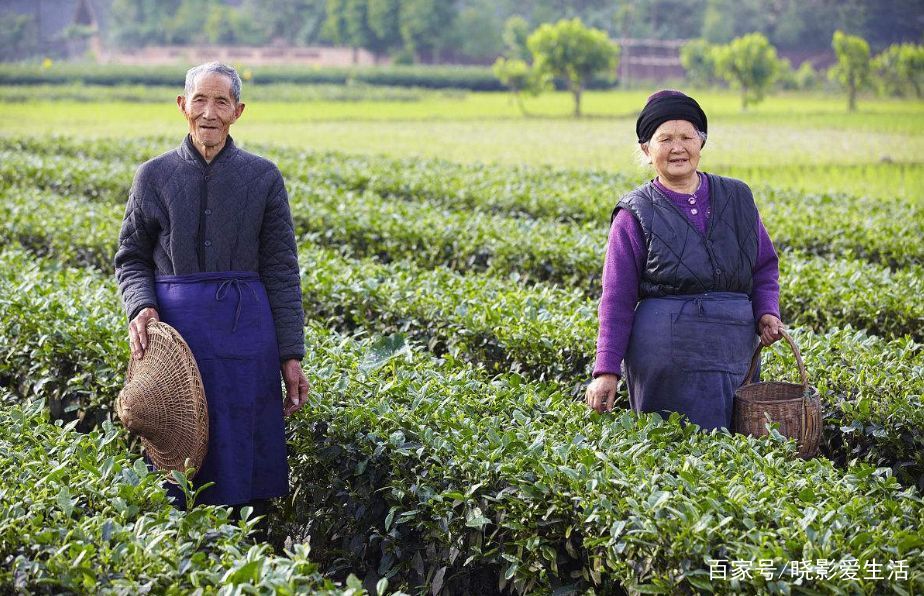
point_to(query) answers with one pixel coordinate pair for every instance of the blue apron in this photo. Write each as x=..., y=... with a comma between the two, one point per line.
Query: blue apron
x=689, y=354
x=225, y=318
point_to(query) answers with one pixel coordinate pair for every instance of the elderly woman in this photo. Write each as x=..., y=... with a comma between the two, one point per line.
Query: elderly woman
x=690, y=280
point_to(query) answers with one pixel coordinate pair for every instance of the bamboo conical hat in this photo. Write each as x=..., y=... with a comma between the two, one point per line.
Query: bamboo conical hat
x=163, y=402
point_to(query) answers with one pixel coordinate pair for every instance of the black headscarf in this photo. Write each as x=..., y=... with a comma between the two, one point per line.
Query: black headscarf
x=668, y=105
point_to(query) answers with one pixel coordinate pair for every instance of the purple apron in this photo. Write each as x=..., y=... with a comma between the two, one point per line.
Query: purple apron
x=225, y=318
x=689, y=354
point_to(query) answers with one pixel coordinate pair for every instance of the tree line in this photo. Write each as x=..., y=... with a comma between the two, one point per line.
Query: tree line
x=571, y=52
x=472, y=30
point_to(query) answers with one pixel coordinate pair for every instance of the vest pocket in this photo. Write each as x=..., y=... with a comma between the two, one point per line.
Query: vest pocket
x=712, y=344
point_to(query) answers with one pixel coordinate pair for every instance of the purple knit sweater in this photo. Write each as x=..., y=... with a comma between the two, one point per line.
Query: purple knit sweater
x=626, y=255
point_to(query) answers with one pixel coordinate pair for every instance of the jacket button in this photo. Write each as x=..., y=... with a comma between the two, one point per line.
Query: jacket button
x=208, y=243
x=208, y=211
x=718, y=272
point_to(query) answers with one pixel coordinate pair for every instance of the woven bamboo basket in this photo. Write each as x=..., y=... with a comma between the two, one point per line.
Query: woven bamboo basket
x=795, y=407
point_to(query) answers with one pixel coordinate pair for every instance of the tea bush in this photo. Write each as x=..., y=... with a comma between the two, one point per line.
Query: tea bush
x=79, y=515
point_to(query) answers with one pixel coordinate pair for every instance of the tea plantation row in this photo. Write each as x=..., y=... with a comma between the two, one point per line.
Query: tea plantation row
x=431, y=471
x=79, y=514
x=817, y=291
x=885, y=232
x=871, y=387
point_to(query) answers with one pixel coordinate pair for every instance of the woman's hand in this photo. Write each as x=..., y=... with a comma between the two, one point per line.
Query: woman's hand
x=770, y=329
x=601, y=393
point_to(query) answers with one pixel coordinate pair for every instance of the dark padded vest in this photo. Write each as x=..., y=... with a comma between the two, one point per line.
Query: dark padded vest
x=683, y=261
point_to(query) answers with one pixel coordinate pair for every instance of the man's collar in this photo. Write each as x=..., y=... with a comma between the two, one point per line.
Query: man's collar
x=189, y=152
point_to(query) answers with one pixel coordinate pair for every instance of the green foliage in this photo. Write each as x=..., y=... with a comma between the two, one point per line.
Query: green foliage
x=717, y=28
x=899, y=70
x=697, y=58
x=806, y=77
x=749, y=63
x=18, y=36
x=297, y=22
x=852, y=70
x=476, y=33
x=383, y=20
x=516, y=34
x=519, y=78
x=423, y=23
x=498, y=242
x=335, y=27
x=79, y=515
x=272, y=92
x=186, y=25
x=568, y=50
x=139, y=24
x=474, y=78
x=440, y=472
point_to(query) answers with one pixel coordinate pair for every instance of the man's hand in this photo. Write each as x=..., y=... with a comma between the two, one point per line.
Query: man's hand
x=296, y=386
x=601, y=393
x=770, y=329
x=138, y=331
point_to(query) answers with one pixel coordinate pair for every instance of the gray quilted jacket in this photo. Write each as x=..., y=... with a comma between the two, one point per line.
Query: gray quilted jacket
x=188, y=216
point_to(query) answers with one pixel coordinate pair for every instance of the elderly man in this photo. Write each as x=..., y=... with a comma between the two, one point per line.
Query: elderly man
x=208, y=246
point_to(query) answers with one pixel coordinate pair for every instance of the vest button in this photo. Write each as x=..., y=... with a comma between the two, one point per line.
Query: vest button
x=718, y=272
x=208, y=211
x=207, y=243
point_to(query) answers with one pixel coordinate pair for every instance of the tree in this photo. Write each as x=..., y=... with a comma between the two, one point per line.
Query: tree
x=749, y=63
x=383, y=18
x=900, y=68
x=476, y=34
x=357, y=32
x=517, y=76
x=18, y=36
x=853, y=65
x=805, y=76
x=187, y=26
x=298, y=22
x=424, y=24
x=568, y=50
x=140, y=23
x=516, y=32
x=335, y=28
x=698, y=62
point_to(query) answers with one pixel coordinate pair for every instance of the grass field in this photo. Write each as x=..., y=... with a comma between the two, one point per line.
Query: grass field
x=802, y=142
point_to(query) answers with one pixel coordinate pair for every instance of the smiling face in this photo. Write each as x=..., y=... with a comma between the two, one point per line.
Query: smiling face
x=674, y=152
x=210, y=111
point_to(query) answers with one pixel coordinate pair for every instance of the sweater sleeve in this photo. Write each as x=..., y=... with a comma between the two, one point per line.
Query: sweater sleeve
x=625, y=256
x=280, y=274
x=765, y=293
x=134, y=258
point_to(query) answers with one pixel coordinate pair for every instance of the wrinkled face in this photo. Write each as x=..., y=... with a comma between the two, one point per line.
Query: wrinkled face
x=210, y=110
x=674, y=150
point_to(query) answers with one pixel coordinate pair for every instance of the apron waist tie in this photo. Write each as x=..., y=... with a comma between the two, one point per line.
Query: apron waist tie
x=236, y=283
x=698, y=307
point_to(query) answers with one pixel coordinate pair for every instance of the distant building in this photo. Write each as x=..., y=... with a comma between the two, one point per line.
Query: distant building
x=65, y=28
x=650, y=59
x=249, y=55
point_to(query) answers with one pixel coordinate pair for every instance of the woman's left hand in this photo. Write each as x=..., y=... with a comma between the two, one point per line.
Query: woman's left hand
x=770, y=329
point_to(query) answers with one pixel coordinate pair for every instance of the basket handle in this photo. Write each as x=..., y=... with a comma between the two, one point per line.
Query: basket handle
x=795, y=350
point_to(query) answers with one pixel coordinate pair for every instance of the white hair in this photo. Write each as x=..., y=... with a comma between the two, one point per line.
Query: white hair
x=217, y=68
